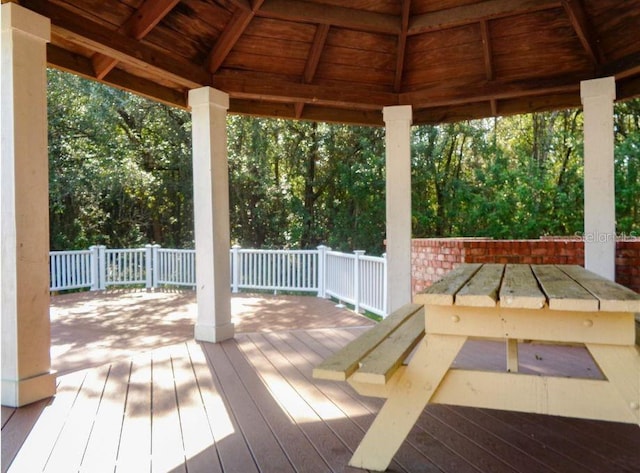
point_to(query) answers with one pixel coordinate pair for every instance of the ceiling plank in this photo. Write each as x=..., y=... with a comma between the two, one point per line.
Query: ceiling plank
x=307, y=12
x=402, y=45
x=476, y=12
x=80, y=65
x=95, y=37
x=583, y=28
x=253, y=87
x=311, y=66
x=230, y=36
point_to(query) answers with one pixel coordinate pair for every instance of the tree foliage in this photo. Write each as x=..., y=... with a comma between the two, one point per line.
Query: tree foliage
x=120, y=175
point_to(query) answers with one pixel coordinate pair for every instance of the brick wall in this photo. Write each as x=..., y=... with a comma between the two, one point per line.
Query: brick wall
x=431, y=258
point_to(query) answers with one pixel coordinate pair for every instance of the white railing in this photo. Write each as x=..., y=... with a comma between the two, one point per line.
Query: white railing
x=274, y=270
x=358, y=280
x=354, y=279
x=70, y=270
x=174, y=267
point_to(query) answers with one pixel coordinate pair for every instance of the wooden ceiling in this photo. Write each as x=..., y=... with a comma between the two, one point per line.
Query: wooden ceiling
x=332, y=60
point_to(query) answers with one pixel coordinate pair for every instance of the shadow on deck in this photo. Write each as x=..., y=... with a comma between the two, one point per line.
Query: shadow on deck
x=155, y=400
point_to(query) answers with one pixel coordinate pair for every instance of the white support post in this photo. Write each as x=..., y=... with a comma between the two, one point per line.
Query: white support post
x=398, y=203
x=322, y=267
x=211, y=208
x=356, y=279
x=235, y=270
x=24, y=208
x=599, y=181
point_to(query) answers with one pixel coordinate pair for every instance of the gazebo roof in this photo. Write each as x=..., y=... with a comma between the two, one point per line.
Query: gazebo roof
x=344, y=61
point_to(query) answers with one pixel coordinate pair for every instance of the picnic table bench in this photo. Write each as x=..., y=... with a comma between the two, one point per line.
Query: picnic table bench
x=407, y=358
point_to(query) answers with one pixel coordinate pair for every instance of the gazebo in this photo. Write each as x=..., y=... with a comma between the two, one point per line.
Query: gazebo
x=378, y=62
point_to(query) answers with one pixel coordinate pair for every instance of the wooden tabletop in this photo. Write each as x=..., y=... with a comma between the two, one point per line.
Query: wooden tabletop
x=524, y=286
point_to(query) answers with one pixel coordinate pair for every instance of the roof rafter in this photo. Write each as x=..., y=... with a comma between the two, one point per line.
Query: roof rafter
x=402, y=45
x=319, y=40
x=139, y=24
x=308, y=12
x=230, y=36
x=98, y=38
x=583, y=28
x=488, y=58
x=474, y=13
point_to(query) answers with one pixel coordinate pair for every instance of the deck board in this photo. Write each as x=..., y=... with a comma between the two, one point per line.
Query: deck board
x=134, y=449
x=251, y=405
x=102, y=447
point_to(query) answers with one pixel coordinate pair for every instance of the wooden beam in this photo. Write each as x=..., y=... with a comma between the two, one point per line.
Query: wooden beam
x=80, y=65
x=319, y=40
x=490, y=90
x=150, y=13
x=252, y=87
x=315, y=53
x=311, y=112
x=628, y=88
x=230, y=36
x=622, y=68
x=476, y=12
x=583, y=28
x=307, y=12
x=402, y=45
x=95, y=37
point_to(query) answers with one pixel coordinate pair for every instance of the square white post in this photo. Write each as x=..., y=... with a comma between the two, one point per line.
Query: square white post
x=24, y=208
x=398, y=204
x=599, y=181
x=211, y=214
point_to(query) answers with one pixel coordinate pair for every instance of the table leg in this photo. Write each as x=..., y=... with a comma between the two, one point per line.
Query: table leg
x=621, y=366
x=407, y=399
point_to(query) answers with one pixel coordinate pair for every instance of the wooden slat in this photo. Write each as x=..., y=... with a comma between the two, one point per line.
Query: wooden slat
x=7, y=412
x=482, y=289
x=442, y=292
x=613, y=297
x=562, y=292
x=345, y=362
x=380, y=364
x=520, y=289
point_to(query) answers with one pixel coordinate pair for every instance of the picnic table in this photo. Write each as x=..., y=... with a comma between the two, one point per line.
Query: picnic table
x=408, y=357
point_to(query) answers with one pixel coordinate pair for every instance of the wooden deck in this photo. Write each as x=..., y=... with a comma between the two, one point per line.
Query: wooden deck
x=251, y=405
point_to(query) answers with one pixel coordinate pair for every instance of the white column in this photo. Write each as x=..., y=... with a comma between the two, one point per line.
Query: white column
x=24, y=208
x=211, y=208
x=398, y=199
x=599, y=183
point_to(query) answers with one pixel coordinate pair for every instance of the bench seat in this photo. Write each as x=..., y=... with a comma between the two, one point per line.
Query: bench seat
x=374, y=356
